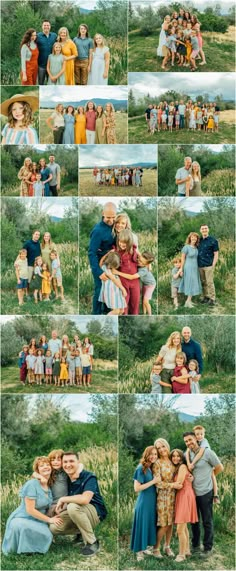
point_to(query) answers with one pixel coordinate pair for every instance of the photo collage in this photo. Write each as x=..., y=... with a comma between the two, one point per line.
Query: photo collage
x=118, y=285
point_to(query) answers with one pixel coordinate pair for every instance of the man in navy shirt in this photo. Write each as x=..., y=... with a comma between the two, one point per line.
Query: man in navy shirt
x=85, y=507
x=101, y=241
x=33, y=249
x=147, y=115
x=208, y=253
x=45, y=41
x=192, y=349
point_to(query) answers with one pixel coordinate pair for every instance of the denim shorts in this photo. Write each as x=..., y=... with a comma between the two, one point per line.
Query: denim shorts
x=23, y=283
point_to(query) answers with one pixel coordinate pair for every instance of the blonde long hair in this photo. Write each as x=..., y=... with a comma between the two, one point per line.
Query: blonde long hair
x=169, y=342
x=198, y=173
x=164, y=443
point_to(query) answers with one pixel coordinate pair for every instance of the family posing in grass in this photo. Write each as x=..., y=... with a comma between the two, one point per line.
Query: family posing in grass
x=54, y=59
x=60, y=498
x=87, y=125
x=179, y=115
x=40, y=179
x=38, y=270
x=118, y=176
x=120, y=271
x=56, y=361
x=178, y=366
x=175, y=488
x=181, y=41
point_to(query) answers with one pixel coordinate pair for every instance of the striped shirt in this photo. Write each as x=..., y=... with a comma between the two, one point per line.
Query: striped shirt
x=26, y=136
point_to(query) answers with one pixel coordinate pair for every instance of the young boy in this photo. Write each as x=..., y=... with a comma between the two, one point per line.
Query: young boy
x=30, y=361
x=199, y=432
x=86, y=367
x=21, y=269
x=176, y=275
x=155, y=378
x=38, y=186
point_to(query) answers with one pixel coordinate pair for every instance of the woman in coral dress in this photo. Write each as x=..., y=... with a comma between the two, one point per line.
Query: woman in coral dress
x=33, y=178
x=69, y=51
x=80, y=127
x=185, y=503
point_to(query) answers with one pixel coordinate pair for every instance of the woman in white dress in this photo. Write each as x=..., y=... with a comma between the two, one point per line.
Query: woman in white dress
x=192, y=121
x=162, y=38
x=100, y=62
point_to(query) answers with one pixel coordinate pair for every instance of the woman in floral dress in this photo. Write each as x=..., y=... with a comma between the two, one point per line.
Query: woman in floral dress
x=110, y=124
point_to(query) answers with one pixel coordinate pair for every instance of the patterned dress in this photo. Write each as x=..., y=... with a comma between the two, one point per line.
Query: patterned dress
x=110, y=129
x=24, y=173
x=164, y=471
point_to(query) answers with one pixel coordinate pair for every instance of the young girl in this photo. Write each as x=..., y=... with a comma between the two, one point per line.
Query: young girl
x=177, y=120
x=59, y=487
x=86, y=367
x=164, y=119
x=192, y=121
x=46, y=282
x=170, y=121
x=56, y=275
x=21, y=268
x=205, y=120
x=36, y=283
x=100, y=62
x=112, y=291
x=64, y=375
x=30, y=362
x=210, y=123
x=48, y=366
x=180, y=379
x=39, y=367
x=127, y=251
x=56, y=66
x=19, y=110
x=78, y=368
x=71, y=363
x=56, y=369
x=193, y=368
x=23, y=364
x=146, y=279
x=171, y=44
x=145, y=519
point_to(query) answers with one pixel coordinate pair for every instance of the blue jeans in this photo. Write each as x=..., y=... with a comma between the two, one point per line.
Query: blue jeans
x=181, y=121
x=42, y=75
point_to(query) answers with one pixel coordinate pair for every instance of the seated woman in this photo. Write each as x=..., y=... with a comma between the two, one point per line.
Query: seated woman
x=27, y=529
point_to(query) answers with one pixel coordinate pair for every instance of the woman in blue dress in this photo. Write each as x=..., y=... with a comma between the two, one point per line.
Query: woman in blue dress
x=27, y=529
x=46, y=176
x=69, y=131
x=190, y=283
x=144, y=530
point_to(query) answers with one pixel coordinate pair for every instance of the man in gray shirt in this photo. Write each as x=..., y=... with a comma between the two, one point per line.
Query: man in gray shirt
x=55, y=170
x=183, y=178
x=203, y=488
x=83, y=62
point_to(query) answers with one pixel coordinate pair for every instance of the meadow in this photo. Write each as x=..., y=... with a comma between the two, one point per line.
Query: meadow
x=219, y=50
x=223, y=552
x=67, y=189
x=68, y=253
x=137, y=132
x=63, y=554
x=104, y=380
x=46, y=136
x=88, y=188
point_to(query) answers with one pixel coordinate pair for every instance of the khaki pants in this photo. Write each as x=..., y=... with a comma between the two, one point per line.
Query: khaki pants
x=206, y=275
x=166, y=375
x=78, y=518
x=81, y=71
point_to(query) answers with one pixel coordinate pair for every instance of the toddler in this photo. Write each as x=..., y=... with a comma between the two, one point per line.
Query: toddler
x=193, y=368
x=56, y=275
x=199, y=432
x=36, y=283
x=64, y=375
x=195, y=50
x=46, y=282
x=56, y=368
x=176, y=275
x=155, y=378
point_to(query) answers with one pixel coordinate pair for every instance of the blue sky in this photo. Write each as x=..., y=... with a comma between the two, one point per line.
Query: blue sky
x=64, y=93
x=80, y=320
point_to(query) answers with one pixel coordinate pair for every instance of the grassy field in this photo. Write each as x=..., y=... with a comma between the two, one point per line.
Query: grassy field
x=223, y=275
x=46, y=136
x=88, y=188
x=68, y=189
x=146, y=241
x=219, y=50
x=63, y=554
x=104, y=380
x=223, y=551
x=69, y=258
x=138, y=133
x=136, y=379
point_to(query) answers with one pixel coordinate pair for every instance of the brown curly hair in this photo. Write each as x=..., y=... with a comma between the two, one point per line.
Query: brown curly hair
x=144, y=460
x=41, y=460
x=27, y=111
x=188, y=239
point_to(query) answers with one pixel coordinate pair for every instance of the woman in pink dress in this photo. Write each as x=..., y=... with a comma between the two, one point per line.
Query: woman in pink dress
x=185, y=503
x=33, y=178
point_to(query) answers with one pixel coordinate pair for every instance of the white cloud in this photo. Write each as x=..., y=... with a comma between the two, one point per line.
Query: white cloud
x=99, y=155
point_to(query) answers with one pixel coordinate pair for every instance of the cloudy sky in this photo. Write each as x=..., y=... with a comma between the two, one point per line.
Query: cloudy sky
x=200, y=4
x=65, y=93
x=187, y=404
x=215, y=148
x=117, y=201
x=111, y=154
x=192, y=84
x=80, y=406
x=80, y=320
x=191, y=204
x=53, y=206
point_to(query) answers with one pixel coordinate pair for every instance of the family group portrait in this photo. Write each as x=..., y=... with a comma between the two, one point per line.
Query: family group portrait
x=199, y=256
x=19, y=114
x=73, y=115
x=181, y=36
x=39, y=255
x=176, y=355
x=59, y=354
x=59, y=500
x=180, y=108
x=40, y=171
x=122, y=170
x=118, y=256
x=64, y=43
x=176, y=481
x=196, y=170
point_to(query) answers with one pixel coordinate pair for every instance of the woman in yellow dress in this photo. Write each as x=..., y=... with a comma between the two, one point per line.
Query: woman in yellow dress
x=80, y=127
x=69, y=51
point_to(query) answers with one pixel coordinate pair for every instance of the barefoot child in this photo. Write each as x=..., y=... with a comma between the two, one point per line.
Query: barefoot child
x=30, y=362
x=23, y=364
x=46, y=282
x=199, y=432
x=21, y=269
x=56, y=275
x=176, y=275
x=112, y=291
x=86, y=367
x=48, y=366
x=39, y=366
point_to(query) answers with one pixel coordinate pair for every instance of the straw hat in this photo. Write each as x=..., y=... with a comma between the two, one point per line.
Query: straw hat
x=30, y=97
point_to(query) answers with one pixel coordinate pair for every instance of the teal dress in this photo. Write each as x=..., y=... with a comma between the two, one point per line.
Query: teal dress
x=190, y=282
x=144, y=529
x=56, y=63
x=24, y=533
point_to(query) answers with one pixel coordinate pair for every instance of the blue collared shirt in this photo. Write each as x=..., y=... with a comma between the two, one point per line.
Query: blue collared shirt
x=45, y=44
x=206, y=249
